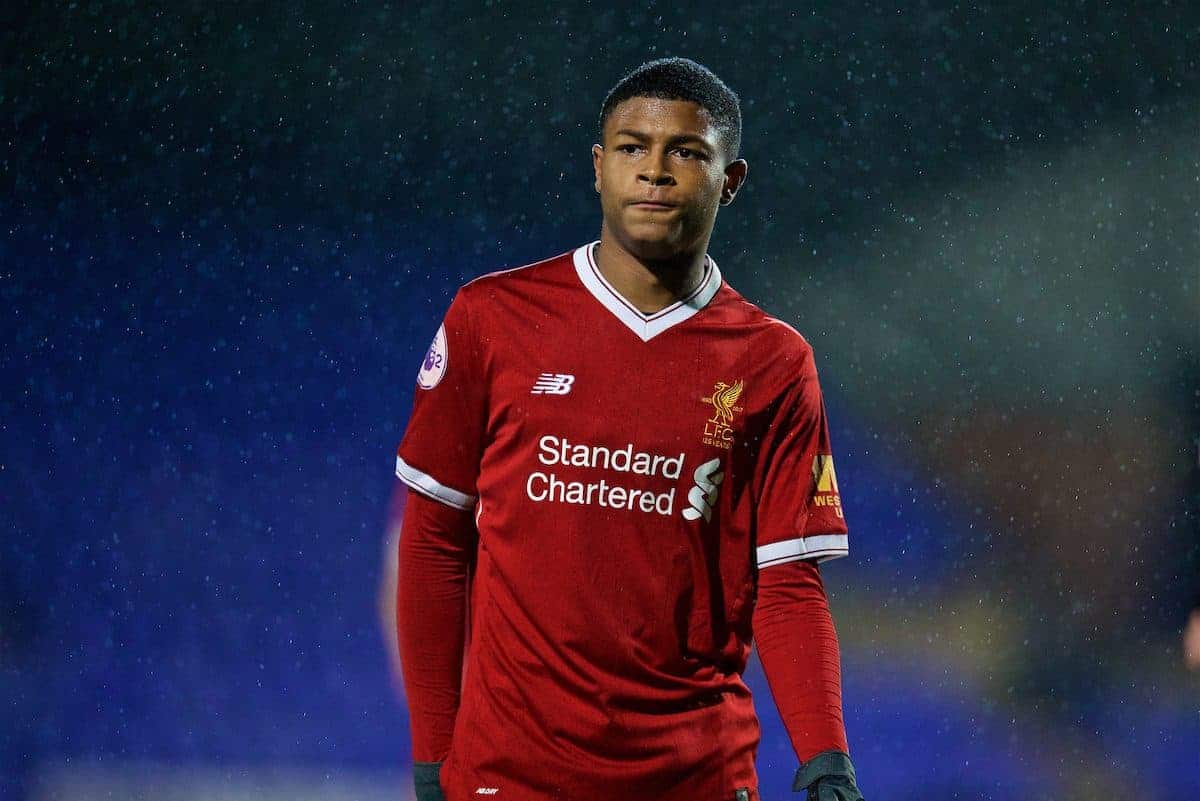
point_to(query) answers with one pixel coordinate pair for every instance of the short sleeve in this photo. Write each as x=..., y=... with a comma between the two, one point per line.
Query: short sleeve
x=440, y=452
x=798, y=509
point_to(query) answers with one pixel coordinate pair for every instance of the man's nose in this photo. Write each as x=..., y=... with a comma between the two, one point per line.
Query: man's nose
x=658, y=178
x=655, y=171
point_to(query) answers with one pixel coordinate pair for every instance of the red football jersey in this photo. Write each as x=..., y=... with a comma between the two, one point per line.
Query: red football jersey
x=629, y=475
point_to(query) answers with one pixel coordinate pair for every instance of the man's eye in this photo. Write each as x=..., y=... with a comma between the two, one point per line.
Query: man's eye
x=627, y=148
x=685, y=152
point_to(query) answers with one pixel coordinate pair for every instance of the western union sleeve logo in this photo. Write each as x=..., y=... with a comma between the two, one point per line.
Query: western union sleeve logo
x=826, y=486
x=823, y=473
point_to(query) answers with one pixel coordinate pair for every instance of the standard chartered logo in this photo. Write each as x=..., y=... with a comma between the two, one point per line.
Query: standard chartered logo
x=703, y=497
x=548, y=487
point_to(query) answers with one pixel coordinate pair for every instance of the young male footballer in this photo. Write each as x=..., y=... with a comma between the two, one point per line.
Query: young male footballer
x=621, y=475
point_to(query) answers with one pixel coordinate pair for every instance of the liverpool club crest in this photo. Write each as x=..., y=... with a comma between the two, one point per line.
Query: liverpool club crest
x=718, y=429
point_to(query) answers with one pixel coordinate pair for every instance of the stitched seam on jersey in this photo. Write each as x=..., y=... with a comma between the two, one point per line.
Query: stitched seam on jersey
x=818, y=556
x=475, y=353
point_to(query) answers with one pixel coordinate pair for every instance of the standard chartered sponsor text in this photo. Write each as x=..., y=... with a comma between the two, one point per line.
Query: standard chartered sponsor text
x=548, y=487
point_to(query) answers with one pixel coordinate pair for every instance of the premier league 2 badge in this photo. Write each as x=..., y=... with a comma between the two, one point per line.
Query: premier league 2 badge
x=436, y=360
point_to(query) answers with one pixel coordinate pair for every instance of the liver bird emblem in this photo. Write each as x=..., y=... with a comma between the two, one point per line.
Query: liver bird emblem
x=724, y=400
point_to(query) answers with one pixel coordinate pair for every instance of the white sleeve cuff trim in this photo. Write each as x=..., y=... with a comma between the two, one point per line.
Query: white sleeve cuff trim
x=429, y=486
x=818, y=547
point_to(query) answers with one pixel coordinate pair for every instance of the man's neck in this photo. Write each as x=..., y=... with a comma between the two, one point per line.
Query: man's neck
x=650, y=286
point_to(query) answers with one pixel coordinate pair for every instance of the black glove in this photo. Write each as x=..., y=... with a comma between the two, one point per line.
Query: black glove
x=829, y=776
x=426, y=781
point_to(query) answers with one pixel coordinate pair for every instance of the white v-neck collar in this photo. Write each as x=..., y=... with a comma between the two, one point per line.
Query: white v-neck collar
x=645, y=326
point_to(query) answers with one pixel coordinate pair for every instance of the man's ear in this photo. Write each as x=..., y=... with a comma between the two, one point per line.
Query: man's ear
x=735, y=176
x=597, y=153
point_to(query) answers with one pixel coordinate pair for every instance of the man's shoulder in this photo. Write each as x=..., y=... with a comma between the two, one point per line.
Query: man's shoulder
x=771, y=334
x=527, y=280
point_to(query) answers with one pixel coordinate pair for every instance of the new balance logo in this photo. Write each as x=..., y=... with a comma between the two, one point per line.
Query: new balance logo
x=703, y=497
x=552, y=384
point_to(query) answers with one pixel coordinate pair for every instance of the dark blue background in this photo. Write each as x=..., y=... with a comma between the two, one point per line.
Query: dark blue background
x=227, y=235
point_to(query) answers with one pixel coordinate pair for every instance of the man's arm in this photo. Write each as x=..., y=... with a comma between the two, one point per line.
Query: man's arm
x=798, y=647
x=437, y=546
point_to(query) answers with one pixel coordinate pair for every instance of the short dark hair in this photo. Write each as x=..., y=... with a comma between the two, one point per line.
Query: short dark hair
x=682, y=79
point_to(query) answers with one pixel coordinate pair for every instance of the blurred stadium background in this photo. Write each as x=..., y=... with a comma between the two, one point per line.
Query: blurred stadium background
x=227, y=233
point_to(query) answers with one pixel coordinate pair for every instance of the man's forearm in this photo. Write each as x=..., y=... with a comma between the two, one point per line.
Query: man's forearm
x=798, y=647
x=437, y=545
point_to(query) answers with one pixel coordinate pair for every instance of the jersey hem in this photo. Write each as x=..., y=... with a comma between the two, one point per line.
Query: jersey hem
x=818, y=547
x=430, y=487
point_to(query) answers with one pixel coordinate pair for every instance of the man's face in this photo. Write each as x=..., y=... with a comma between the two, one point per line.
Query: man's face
x=661, y=175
